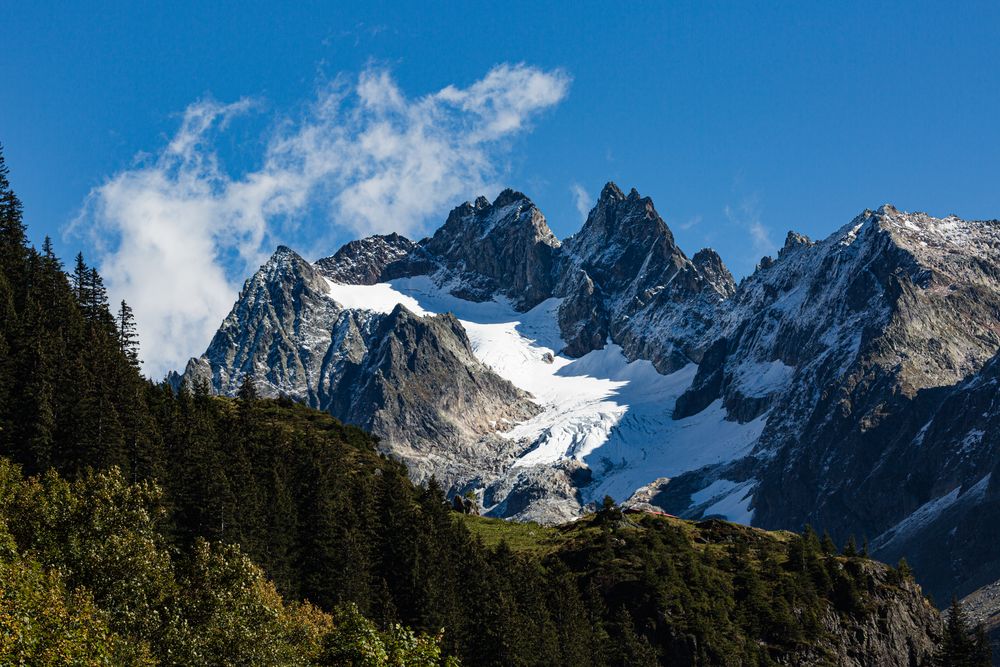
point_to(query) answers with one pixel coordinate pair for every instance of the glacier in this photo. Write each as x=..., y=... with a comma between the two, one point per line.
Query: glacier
x=613, y=415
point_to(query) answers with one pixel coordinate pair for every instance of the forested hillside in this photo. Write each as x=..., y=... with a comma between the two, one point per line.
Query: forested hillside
x=143, y=525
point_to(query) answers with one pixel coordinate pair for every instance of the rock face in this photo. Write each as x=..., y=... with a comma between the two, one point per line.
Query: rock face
x=364, y=262
x=412, y=380
x=849, y=383
x=505, y=247
x=901, y=630
x=432, y=403
x=983, y=608
x=869, y=352
x=625, y=278
x=278, y=332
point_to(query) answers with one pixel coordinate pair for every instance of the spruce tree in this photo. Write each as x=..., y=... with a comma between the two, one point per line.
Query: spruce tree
x=851, y=548
x=959, y=647
x=47, y=251
x=80, y=280
x=128, y=339
x=13, y=238
x=827, y=545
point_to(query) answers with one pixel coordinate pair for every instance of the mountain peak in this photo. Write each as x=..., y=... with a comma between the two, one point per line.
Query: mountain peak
x=504, y=247
x=611, y=192
x=364, y=262
x=794, y=240
x=710, y=265
x=283, y=257
x=507, y=197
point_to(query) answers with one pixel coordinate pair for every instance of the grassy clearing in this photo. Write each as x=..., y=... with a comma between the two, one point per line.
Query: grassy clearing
x=530, y=538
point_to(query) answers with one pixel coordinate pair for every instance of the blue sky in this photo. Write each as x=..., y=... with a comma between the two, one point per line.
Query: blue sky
x=742, y=121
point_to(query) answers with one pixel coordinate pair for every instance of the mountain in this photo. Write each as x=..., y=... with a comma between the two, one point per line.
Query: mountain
x=412, y=380
x=983, y=609
x=624, y=278
x=847, y=383
x=145, y=525
x=870, y=353
x=511, y=395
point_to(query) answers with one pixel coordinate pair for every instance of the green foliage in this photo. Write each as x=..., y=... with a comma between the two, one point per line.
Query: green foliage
x=135, y=601
x=42, y=623
x=356, y=641
x=960, y=645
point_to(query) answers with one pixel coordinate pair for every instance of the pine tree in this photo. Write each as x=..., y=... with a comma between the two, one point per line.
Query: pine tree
x=248, y=389
x=13, y=238
x=827, y=545
x=982, y=652
x=128, y=340
x=98, y=294
x=47, y=251
x=851, y=548
x=959, y=647
x=79, y=279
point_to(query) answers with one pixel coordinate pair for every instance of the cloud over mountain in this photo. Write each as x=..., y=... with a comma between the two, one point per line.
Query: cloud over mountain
x=176, y=230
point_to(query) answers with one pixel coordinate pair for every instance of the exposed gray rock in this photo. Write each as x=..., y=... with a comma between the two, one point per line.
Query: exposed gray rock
x=364, y=262
x=278, y=331
x=501, y=248
x=411, y=380
x=546, y=494
x=983, y=608
x=901, y=630
x=624, y=275
x=583, y=320
x=431, y=402
x=859, y=346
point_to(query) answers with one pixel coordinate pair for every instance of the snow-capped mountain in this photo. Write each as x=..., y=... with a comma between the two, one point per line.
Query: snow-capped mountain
x=846, y=383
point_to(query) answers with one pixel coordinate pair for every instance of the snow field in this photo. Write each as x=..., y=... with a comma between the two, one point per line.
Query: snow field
x=601, y=409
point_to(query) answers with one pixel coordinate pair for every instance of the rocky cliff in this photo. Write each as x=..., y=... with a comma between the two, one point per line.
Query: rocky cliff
x=869, y=353
x=412, y=380
x=624, y=278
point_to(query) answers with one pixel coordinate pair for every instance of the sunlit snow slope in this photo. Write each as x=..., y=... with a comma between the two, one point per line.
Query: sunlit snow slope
x=610, y=414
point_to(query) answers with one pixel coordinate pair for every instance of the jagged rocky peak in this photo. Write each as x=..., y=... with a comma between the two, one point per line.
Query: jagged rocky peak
x=284, y=268
x=949, y=246
x=710, y=265
x=851, y=347
x=624, y=277
x=282, y=314
x=611, y=191
x=793, y=241
x=505, y=247
x=433, y=404
x=510, y=211
x=363, y=262
x=283, y=262
x=619, y=232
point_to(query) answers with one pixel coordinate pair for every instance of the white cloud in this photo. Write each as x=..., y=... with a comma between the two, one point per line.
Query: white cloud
x=747, y=216
x=690, y=223
x=177, y=233
x=582, y=200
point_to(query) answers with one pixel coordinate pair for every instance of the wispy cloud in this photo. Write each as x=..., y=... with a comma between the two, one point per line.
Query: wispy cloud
x=746, y=215
x=690, y=223
x=581, y=199
x=177, y=232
